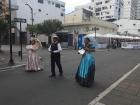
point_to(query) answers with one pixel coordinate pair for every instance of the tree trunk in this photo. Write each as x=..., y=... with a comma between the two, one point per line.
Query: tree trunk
x=49, y=40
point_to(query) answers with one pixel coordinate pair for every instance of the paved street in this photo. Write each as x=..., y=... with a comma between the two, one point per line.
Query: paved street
x=20, y=88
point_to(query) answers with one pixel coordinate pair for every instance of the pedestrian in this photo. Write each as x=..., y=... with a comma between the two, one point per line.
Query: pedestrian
x=86, y=69
x=55, y=49
x=33, y=59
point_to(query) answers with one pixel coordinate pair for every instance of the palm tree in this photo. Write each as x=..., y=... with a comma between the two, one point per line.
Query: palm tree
x=3, y=29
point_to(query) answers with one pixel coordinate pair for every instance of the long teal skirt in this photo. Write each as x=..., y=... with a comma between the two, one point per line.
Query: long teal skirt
x=86, y=70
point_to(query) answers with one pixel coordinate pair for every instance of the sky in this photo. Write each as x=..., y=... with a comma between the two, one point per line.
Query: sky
x=70, y=4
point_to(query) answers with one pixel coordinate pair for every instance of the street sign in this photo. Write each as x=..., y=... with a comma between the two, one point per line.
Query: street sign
x=95, y=28
x=20, y=20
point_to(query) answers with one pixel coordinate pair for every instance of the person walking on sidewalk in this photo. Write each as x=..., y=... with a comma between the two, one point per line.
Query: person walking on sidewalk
x=33, y=60
x=55, y=49
x=86, y=70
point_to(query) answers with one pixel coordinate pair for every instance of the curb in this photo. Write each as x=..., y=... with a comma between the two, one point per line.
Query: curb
x=11, y=67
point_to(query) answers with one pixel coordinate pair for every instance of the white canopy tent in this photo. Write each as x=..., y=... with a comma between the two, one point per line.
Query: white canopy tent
x=111, y=36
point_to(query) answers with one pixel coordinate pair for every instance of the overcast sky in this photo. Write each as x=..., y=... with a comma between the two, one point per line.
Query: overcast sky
x=70, y=4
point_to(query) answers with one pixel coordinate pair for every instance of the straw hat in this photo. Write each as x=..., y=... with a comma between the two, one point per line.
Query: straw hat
x=54, y=36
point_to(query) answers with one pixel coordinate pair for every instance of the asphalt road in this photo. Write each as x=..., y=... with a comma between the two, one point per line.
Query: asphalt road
x=21, y=88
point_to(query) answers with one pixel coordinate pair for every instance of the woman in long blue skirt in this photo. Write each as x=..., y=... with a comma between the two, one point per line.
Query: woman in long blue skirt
x=86, y=70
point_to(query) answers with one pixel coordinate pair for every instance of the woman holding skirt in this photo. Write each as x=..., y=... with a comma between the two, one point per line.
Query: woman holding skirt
x=86, y=69
x=33, y=60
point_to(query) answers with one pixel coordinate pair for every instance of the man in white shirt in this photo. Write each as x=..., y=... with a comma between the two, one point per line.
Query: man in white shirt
x=55, y=49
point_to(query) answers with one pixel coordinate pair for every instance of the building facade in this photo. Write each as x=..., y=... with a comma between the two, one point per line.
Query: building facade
x=127, y=26
x=138, y=10
x=129, y=9
x=81, y=22
x=109, y=10
x=42, y=10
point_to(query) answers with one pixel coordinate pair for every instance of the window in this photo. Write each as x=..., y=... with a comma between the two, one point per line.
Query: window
x=98, y=9
x=108, y=16
x=52, y=3
x=62, y=14
x=97, y=14
x=57, y=5
x=107, y=1
x=41, y=1
x=103, y=8
x=106, y=12
x=39, y=10
x=98, y=3
x=63, y=6
x=49, y=2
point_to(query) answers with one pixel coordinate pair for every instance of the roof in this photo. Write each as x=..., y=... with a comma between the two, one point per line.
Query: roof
x=95, y=22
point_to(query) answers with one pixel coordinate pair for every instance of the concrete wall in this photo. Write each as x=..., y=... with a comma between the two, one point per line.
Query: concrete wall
x=74, y=17
x=41, y=11
x=131, y=26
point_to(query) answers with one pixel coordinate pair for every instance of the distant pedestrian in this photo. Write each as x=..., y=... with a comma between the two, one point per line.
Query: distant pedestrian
x=86, y=69
x=114, y=44
x=55, y=49
x=33, y=60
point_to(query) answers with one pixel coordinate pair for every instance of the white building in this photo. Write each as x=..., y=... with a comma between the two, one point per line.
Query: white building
x=42, y=10
x=130, y=27
x=105, y=9
x=129, y=9
x=108, y=9
x=138, y=10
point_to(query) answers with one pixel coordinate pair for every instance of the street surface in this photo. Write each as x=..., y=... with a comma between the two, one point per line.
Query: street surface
x=21, y=88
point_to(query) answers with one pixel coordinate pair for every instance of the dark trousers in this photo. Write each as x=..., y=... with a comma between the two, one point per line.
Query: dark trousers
x=55, y=58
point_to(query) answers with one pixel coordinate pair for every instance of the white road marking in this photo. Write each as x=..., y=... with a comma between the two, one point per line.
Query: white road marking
x=114, y=85
x=10, y=68
x=98, y=103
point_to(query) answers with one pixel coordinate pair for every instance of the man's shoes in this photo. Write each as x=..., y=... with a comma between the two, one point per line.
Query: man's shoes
x=52, y=76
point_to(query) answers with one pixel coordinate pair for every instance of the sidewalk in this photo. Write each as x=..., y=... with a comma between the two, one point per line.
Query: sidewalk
x=5, y=56
x=126, y=93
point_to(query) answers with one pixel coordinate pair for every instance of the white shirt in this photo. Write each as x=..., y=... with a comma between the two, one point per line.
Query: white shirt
x=56, y=51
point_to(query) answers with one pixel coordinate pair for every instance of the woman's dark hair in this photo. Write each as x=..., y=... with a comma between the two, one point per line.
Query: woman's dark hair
x=87, y=39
